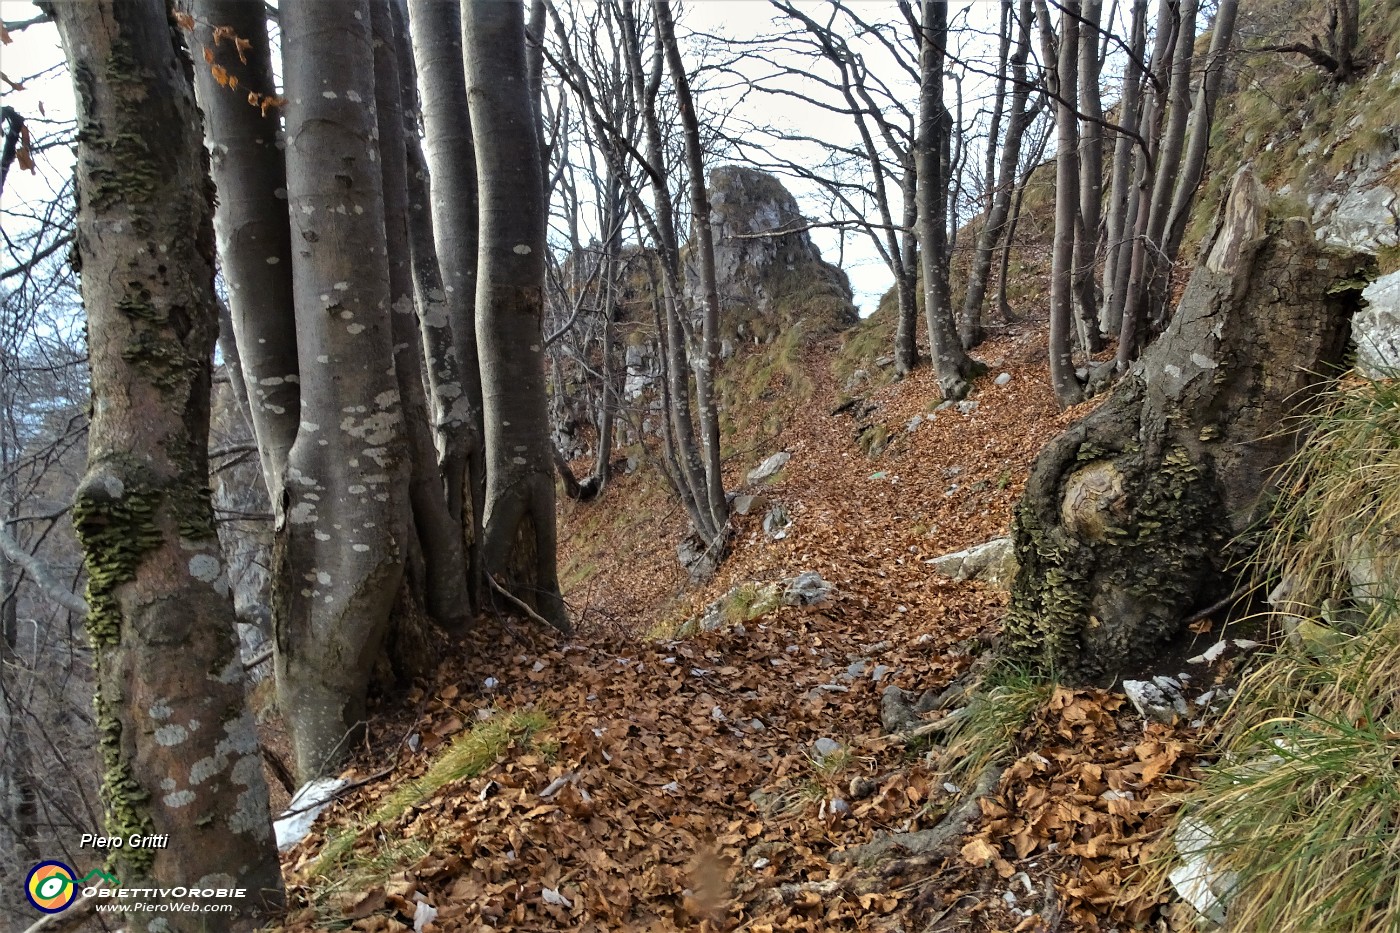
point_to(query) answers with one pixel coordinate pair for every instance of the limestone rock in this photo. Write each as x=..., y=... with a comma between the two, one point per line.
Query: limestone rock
x=699, y=560
x=768, y=468
x=777, y=522
x=1197, y=880
x=992, y=562
x=1375, y=330
x=768, y=282
x=806, y=589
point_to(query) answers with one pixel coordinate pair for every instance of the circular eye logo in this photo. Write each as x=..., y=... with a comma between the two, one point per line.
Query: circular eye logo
x=50, y=887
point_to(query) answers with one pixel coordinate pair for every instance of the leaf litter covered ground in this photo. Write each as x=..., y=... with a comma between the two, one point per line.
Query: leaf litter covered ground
x=707, y=783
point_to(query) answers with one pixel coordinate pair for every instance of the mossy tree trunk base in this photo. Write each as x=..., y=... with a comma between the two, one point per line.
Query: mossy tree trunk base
x=1136, y=516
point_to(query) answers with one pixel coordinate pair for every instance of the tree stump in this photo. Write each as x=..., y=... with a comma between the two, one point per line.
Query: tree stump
x=1133, y=517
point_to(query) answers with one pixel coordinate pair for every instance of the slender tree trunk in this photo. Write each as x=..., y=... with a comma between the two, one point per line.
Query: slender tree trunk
x=518, y=531
x=906, y=283
x=178, y=745
x=954, y=367
x=434, y=333
x=691, y=472
x=1009, y=238
x=706, y=361
x=437, y=51
x=1086, y=241
x=1063, y=85
x=342, y=520
x=1193, y=163
x=254, y=237
x=1151, y=290
x=1008, y=166
x=1154, y=107
x=1118, y=249
x=446, y=596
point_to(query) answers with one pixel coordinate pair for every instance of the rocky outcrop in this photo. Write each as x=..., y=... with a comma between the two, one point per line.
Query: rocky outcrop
x=771, y=275
x=1375, y=330
x=992, y=562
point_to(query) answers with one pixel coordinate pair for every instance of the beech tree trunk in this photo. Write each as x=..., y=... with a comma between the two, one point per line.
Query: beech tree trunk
x=906, y=283
x=445, y=593
x=954, y=367
x=1147, y=298
x=436, y=27
x=177, y=741
x=254, y=237
x=1134, y=517
x=1064, y=86
x=1007, y=171
x=705, y=354
x=1119, y=222
x=342, y=519
x=1193, y=163
x=518, y=540
x=1086, y=236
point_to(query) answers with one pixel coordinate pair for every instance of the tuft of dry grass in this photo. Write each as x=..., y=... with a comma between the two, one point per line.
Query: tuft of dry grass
x=1303, y=806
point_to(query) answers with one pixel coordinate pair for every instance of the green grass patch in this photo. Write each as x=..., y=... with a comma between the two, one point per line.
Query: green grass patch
x=998, y=710
x=469, y=755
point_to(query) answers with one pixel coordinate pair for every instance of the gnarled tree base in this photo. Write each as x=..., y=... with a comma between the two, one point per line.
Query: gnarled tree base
x=1133, y=517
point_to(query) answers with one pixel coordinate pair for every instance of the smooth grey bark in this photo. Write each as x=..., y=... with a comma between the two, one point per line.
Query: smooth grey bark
x=342, y=519
x=1064, y=88
x=1139, y=515
x=439, y=358
x=178, y=746
x=1007, y=168
x=518, y=540
x=1193, y=160
x=1009, y=238
x=705, y=351
x=1119, y=222
x=445, y=595
x=1146, y=299
x=906, y=281
x=1086, y=238
x=954, y=367
x=1133, y=266
x=436, y=28
x=250, y=222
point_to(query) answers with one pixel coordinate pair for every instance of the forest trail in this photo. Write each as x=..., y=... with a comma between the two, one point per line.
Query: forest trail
x=704, y=782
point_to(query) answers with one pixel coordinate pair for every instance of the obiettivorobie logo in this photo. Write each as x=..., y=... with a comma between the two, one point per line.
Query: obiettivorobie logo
x=52, y=886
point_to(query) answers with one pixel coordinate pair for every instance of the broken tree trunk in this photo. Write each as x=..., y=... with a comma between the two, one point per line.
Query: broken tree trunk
x=1134, y=516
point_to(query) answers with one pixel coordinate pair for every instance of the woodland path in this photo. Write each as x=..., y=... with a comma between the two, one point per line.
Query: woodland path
x=680, y=785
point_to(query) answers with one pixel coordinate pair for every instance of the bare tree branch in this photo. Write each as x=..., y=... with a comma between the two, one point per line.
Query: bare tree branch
x=39, y=573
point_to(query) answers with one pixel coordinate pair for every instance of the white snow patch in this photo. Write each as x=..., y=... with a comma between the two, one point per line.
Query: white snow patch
x=292, y=826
